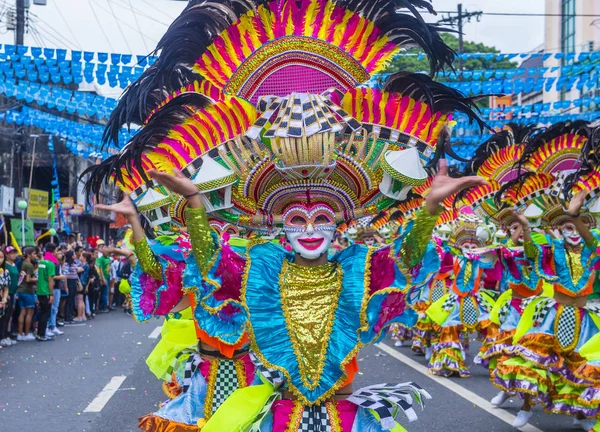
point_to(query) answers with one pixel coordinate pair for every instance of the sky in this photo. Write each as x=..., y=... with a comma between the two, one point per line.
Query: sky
x=507, y=33
x=134, y=26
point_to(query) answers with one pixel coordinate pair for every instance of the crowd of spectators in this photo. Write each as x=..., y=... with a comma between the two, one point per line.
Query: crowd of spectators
x=45, y=288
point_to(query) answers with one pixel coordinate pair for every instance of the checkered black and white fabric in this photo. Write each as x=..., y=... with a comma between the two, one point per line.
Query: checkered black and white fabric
x=315, y=419
x=387, y=400
x=542, y=308
x=450, y=302
x=191, y=366
x=273, y=376
x=226, y=383
x=503, y=312
x=484, y=302
x=566, y=326
x=470, y=314
x=439, y=286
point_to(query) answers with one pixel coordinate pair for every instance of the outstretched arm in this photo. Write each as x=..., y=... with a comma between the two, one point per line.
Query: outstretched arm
x=583, y=229
x=415, y=242
x=203, y=244
x=530, y=248
x=148, y=261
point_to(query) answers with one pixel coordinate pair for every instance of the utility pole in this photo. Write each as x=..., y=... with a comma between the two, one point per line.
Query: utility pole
x=458, y=20
x=20, y=30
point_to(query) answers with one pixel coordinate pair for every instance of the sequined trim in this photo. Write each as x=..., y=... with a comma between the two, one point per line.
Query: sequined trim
x=155, y=205
x=575, y=267
x=334, y=417
x=389, y=170
x=295, y=417
x=148, y=261
x=217, y=184
x=210, y=388
x=308, y=46
x=203, y=244
x=418, y=237
x=319, y=276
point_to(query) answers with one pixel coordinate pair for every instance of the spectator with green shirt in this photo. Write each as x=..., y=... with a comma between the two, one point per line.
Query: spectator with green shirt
x=26, y=294
x=103, y=263
x=45, y=295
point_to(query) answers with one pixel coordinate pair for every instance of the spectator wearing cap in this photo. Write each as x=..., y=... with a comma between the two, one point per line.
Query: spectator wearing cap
x=26, y=294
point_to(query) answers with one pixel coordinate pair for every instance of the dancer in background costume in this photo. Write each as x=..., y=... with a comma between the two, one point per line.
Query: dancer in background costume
x=465, y=307
x=546, y=364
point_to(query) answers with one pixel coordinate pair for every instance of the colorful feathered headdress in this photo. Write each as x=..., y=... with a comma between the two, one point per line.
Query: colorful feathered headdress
x=252, y=113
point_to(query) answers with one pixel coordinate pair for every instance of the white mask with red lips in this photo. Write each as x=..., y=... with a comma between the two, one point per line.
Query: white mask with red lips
x=570, y=234
x=309, y=231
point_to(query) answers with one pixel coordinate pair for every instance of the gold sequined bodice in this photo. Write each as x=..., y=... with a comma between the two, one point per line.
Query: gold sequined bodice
x=309, y=297
x=574, y=264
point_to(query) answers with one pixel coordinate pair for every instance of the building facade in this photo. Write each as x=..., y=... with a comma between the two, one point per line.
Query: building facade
x=570, y=27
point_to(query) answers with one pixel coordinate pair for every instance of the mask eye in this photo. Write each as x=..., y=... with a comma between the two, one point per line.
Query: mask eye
x=298, y=220
x=322, y=220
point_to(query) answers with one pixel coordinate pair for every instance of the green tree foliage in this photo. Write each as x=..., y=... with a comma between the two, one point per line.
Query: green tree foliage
x=413, y=64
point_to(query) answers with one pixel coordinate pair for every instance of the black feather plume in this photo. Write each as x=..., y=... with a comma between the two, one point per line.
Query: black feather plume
x=98, y=176
x=519, y=180
x=142, y=97
x=162, y=122
x=521, y=132
x=541, y=136
x=497, y=142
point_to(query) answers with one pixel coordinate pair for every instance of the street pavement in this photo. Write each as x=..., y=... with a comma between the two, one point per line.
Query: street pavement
x=47, y=386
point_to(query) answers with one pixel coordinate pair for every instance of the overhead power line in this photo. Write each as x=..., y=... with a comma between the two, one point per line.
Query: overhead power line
x=526, y=14
x=458, y=19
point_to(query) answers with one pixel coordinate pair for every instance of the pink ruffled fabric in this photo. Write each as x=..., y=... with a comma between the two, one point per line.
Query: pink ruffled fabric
x=282, y=411
x=148, y=298
x=447, y=262
x=382, y=270
x=170, y=297
x=393, y=306
x=547, y=259
x=347, y=412
x=230, y=270
x=493, y=275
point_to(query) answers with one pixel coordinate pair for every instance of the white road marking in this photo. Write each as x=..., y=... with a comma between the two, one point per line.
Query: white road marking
x=104, y=396
x=503, y=415
x=155, y=333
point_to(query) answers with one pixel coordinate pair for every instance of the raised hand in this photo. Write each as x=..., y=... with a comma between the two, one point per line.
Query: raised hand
x=520, y=218
x=443, y=186
x=176, y=182
x=125, y=207
x=576, y=204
